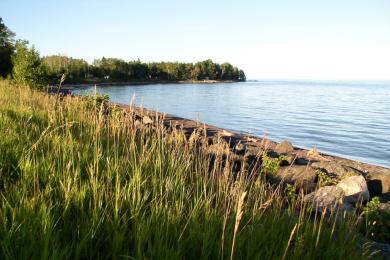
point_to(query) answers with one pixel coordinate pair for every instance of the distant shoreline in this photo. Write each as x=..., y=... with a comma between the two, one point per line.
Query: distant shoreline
x=135, y=83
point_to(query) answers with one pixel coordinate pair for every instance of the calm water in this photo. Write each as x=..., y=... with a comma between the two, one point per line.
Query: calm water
x=351, y=119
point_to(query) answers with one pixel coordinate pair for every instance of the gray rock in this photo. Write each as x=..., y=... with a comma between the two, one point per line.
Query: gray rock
x=254, y=150
x=287, y=160
x=378, y=181
x=147, y=120
x=315, y=156
x=301, y=161
x=385, y=207
x=272, y=154
x=327, y=198
x=335, y=169
x=284, y=147
x=302, y=177
x=382, y=250
x=137, y=123
x=355, y=189
x=219, y=148
x=239, y=148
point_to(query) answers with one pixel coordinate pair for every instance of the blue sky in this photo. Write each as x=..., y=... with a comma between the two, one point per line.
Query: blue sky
x=301, y=39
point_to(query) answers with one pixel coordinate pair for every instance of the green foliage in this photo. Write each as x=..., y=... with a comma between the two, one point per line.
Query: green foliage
x=376, y=222
x=117, y=70
x=97, y=102
x=91, y=186
x=270, y=166
x=76, y=70
x=7, y=48
x=372, y=207
x=324, y=179
x=27, y=68
x=291, y=193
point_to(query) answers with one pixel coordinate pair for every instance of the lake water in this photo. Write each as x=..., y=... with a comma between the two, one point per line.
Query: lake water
x=351, y=119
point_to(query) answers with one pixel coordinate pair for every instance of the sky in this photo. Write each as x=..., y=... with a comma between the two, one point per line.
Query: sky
x=279, y=39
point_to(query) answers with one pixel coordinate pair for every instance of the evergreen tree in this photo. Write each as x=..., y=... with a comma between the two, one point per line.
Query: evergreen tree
x=6, y=49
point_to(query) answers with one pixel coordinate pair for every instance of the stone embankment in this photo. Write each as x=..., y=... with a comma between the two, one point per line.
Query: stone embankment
x=327, y=181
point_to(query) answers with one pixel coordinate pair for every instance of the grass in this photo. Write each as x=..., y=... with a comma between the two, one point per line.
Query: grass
x=76, y=183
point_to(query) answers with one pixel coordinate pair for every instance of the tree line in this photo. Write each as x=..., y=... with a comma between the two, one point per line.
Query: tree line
x=26, y=66
x=113, y=69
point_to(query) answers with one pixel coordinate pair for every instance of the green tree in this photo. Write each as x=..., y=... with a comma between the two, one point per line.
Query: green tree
x=6, y=49
x=241, y=76
x=27, y=68
x=226, y=71
x=76, y=70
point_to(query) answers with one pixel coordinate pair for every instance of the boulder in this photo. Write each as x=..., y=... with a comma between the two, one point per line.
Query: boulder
x=314, y=156
x=385, y=207
x=287, y=160
x=302, y=177
x=147, y=120
x=378, y=181
x=327, y=198
x=301, y=161
x=254, y=150
x=218, y=149
x=137, y=123
x=382, y=250
x=284, y=147
x=239, y=148
x=301, y=157
x=355, y=189
x=335, y=169
x=225, y=133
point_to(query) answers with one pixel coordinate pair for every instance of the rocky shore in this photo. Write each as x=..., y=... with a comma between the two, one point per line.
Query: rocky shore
x=340, y=179
x=327, y=183
x=149, y=82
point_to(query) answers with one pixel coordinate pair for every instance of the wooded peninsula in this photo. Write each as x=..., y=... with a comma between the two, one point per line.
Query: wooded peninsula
x=118, y=70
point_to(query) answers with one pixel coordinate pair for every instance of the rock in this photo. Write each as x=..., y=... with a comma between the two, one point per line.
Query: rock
x=301, y=161
x=254, y=151
x=314, y=155
x=284, y=147
x=147, y=120
x=378, y=181
x=382, y=250
x=137, y=123
x=226, y=133
x=385, y=207
x=385, y=197
x=239, y=148
x=218, y=149
x=301, y=157
x=327, y=198
x=302, y=177
x=335, y=169
x=355, y=189
x=287, y=160
x=272, y=154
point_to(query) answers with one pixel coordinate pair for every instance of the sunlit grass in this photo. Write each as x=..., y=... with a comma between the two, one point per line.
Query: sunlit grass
x=76, y=183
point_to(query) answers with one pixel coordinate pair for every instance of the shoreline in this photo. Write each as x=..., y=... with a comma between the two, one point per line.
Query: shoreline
x=248, y=149
x=137, y=83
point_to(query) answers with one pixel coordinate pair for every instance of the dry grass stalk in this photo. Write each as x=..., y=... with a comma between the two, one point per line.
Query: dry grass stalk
x=289, y=241
x=240, y=212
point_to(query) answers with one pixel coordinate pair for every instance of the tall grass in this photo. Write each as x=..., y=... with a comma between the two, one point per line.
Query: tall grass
x=77, y=183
